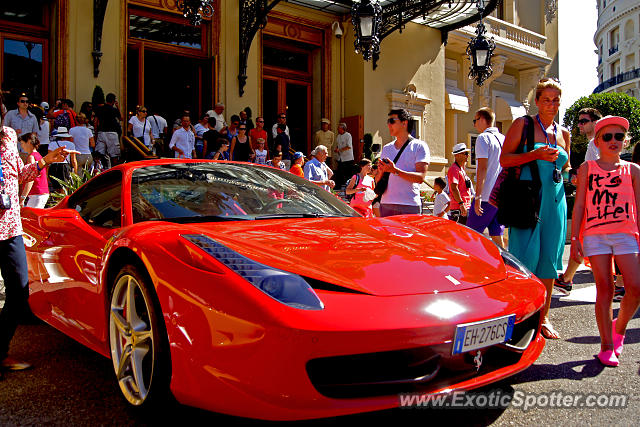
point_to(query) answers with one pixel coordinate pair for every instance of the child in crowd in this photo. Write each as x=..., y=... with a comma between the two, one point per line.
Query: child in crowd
x=297, y=162
x=605, y=226
x=261, y=152
x=442, y=203
x=276, y=160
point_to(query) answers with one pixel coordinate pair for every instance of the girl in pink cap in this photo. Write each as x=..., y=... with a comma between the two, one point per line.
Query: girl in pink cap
x=605, y=225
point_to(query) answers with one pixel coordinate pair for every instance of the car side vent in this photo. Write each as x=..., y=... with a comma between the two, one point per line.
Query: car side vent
x=325, y=286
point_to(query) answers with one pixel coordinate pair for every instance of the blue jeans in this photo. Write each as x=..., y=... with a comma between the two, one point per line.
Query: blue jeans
x=387, y=209
x=13, y=266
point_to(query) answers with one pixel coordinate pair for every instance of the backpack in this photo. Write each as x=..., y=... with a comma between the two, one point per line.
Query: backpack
x=62, y=120
x=350, y=197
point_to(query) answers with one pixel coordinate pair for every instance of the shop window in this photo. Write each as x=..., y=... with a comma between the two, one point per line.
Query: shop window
x=277, y=57
x=26, y=12
x=22, y=63
x=164, y=31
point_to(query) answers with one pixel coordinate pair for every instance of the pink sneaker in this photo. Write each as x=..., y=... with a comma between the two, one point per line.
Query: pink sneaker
x=618, y=340
x=608, y=358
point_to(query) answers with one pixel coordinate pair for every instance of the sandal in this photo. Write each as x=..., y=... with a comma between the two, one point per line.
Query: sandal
x=547, y=330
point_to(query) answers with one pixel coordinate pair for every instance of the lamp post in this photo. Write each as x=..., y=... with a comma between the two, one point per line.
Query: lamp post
x=366, y=17
x=479, y=50
x=195, y=10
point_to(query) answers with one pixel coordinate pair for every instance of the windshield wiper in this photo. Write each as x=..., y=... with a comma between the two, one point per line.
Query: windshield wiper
x=203, y=218
x=296, y=215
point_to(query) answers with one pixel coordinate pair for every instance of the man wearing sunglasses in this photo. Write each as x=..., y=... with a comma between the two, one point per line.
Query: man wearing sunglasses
x=258, y=132
x=406, y=171
x=587, y=118
x=482, y=214
x=21, y=120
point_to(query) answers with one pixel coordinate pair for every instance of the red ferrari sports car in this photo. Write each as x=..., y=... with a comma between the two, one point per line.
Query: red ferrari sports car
x=249, y=291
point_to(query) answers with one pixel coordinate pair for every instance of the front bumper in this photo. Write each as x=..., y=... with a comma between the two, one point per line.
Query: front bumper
x=261, y=359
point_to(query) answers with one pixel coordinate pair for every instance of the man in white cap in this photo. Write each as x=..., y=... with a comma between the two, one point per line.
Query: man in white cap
x=325, y=137
x=460, y=187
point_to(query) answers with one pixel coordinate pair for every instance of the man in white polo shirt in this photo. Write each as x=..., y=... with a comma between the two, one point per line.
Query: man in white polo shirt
x=482, y=214
x=183, y=141
x=402, y=195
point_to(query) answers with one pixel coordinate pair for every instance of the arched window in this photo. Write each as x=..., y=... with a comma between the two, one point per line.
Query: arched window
x=629, y=30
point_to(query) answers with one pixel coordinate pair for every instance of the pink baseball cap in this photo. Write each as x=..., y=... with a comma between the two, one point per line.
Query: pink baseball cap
x=612, y=120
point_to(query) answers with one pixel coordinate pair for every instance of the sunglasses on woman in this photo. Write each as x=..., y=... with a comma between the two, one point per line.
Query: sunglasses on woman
x=619, y=136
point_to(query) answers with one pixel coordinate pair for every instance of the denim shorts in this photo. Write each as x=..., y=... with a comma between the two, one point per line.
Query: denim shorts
x=616, y=244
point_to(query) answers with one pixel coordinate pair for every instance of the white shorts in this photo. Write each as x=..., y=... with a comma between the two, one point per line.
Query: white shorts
x=108, y=143
x=37, y=200
x=605, y=244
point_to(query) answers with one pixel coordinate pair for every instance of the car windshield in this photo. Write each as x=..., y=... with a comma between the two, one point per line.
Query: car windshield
x=198, y=192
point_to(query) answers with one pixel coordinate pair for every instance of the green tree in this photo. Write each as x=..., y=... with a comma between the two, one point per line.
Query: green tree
x=614, y=104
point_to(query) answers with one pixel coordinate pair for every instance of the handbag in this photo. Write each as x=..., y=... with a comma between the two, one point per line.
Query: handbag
x=518, y=201
x=381, y=185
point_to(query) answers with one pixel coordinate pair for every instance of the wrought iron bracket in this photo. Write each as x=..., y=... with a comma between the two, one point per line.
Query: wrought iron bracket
x=99, y=10
x=397, y=14
x=253, y=16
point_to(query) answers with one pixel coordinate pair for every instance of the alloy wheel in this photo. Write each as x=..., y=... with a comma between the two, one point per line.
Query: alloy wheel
x=132, y=339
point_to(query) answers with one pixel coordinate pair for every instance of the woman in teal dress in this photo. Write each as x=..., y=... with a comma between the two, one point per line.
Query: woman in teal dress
x=541, y=248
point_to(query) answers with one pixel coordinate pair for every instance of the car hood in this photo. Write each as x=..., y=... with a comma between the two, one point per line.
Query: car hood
x=400, y=256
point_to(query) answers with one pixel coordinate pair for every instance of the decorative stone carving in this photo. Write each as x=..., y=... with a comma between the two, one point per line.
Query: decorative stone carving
x=469, y=85
x=627, y=44
x=551, y=10
x=528, y=81
x=414, y=102
x=497, y=64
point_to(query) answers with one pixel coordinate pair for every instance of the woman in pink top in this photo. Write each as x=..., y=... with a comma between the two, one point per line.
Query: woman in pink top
x=605, y=226
x=357, y=188
x=36, y=192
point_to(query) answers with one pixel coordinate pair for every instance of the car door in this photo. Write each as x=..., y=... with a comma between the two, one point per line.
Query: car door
x=73, y=257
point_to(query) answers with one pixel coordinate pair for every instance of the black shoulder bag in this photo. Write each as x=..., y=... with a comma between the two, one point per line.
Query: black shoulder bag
x=381, y=186
x=519, y=200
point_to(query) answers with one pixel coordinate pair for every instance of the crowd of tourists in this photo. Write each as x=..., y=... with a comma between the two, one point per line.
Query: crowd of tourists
x=519, y=182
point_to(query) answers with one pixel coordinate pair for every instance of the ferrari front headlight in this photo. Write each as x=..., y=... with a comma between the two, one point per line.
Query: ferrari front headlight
x=283, y=286
x=511, y=260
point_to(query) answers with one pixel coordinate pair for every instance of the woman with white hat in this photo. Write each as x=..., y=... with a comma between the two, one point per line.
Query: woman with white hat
x=62, y=169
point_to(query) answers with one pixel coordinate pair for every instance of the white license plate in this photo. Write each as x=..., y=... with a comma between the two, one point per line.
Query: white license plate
x=472, y=336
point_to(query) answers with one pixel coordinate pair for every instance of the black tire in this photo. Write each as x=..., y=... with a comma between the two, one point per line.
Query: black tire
x=138, y=339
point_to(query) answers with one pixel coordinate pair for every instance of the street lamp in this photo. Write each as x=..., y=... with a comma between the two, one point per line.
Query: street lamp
x=479, y=51
x=366, y=17
x=195, y=10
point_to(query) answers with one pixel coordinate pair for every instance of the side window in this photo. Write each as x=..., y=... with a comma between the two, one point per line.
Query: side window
x=99, y=202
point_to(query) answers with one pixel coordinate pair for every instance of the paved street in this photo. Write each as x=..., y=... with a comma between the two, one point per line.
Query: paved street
x=72, y=385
